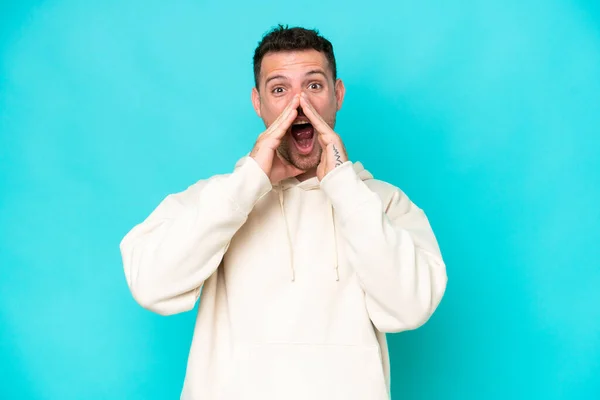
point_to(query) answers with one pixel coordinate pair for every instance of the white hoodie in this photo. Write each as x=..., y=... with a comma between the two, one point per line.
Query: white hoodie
x=298, y=282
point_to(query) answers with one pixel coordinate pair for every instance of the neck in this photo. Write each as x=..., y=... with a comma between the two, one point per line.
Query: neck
x=311, y=173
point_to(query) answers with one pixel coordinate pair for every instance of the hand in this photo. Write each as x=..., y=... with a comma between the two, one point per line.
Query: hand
x=265, y=149
x=334, y=152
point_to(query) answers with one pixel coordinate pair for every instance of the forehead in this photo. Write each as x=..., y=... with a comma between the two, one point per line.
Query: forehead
x=293, y=63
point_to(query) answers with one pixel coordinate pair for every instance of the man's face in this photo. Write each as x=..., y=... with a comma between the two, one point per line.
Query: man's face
x=285, y=74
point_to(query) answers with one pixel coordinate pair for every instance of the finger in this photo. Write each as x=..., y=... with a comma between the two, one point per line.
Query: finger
x=289, y=112
x=321, y=168
x=277, y=121
x=323, y=153
x=323, y=142
x=290, y=106
x=284, y=125
x=316, y=120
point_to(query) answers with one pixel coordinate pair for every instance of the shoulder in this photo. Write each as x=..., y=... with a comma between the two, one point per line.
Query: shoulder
x=245, y=168
x=189, y=195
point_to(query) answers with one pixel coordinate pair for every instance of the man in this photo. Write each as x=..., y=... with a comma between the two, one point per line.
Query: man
x=303, y=261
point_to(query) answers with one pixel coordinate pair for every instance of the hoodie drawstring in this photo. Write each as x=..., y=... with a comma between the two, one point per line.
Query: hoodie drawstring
x=335, y=249
x=289, y=237
x=291, y=246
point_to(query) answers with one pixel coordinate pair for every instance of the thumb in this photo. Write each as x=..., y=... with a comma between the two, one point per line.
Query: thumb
x=322, y=167
x=322, y=142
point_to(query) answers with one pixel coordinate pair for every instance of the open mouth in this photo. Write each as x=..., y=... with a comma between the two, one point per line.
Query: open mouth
x=303, y=135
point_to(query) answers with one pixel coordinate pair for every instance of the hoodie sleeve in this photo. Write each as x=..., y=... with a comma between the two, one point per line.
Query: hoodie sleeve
x=169, y=255
x=392, y=250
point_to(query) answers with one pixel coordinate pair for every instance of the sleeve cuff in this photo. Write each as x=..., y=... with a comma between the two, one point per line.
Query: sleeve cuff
x=345, y=189
x=247, y=185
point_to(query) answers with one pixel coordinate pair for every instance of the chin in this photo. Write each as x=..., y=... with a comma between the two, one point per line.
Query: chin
x=305, y=162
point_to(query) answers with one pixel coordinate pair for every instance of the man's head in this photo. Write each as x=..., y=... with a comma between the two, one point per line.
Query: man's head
x=289, y=61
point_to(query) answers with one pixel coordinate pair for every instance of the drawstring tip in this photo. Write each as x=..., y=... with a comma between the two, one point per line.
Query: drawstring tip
x=337, y=274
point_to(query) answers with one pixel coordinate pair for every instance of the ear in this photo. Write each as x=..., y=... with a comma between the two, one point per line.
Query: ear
x=256, y=101
x=340, y=91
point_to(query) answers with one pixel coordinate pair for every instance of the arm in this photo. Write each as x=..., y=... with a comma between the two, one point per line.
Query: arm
x=392, y=249
x=168, y=256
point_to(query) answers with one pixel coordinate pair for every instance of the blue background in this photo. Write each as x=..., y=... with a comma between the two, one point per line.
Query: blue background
x=486, y=113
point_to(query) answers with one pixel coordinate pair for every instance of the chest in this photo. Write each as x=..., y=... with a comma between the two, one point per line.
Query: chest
x=293, y=235
x=286, y=275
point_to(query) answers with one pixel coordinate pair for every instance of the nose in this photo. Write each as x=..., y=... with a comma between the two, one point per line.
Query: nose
x=299, y=109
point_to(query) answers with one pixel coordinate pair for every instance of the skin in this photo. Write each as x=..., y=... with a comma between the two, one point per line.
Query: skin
x=297, y=85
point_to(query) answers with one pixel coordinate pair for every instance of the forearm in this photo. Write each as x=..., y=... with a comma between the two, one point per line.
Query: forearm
x=403, y=282
x=393, y=253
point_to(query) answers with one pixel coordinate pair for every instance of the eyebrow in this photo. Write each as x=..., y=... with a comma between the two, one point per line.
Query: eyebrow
x=313, y=72
x=275, y=77
x=316, y=72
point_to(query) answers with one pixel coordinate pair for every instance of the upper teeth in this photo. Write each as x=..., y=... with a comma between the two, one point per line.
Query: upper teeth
x=300, y=122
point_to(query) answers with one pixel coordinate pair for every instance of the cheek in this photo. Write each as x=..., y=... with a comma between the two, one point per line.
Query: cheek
x=325, y=103
x=325, y=108
x=269, y=115
x=272, y=109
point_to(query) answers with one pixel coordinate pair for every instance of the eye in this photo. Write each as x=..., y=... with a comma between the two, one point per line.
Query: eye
x=315, y=86
x=277, y=90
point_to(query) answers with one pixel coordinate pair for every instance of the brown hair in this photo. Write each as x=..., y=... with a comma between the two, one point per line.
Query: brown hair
x=283, y=38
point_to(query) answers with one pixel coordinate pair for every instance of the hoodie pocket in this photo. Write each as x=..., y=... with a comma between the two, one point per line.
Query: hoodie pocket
x=310, y=372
